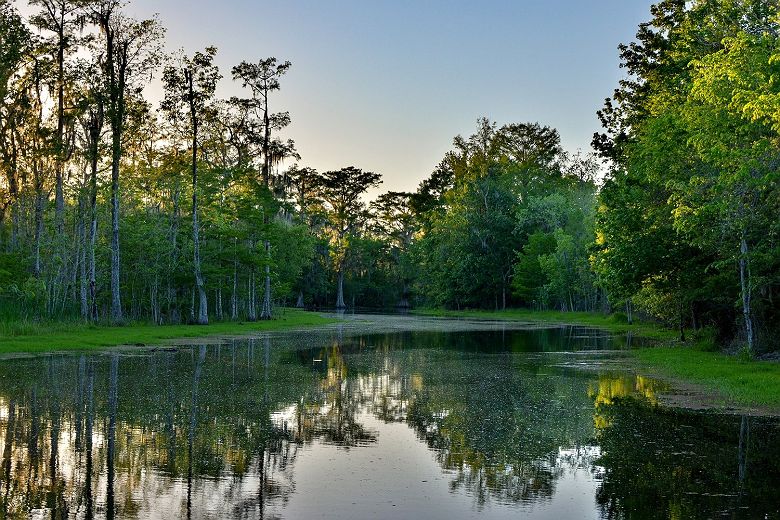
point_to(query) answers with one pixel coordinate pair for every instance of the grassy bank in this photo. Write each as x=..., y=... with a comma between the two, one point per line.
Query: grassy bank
x=730, y=379
x=16, y=338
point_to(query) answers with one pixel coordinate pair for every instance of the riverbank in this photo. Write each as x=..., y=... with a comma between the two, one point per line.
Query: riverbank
x=36, y=338
x=724, y=380
x=586, y=319
x=727, y=380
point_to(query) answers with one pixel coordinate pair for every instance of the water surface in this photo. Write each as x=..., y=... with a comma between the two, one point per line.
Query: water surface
x=403, y=419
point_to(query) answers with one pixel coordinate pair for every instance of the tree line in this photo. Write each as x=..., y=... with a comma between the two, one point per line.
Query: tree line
x=115, y=209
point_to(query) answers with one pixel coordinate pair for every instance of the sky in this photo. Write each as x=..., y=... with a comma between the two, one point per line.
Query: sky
x=385, y=85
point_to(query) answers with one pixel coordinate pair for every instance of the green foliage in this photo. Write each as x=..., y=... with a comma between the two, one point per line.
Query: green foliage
x=507, y=211
x=687, y=218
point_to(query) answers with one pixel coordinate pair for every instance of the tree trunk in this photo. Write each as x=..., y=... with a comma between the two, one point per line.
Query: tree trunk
x=744, y=278
x=234, y=296
x=340, y=291
x=265, y=312
x=219, y=302
x=252, y=309
x=203, y=308
x=116, y=300
x=83, y=281
x=59, y=199
x=300, y=303
x=38, y=231
x=404, y=303
x=115, y=76
x=95, y=129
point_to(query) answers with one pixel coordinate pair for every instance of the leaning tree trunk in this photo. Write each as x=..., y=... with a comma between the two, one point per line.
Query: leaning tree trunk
x=340, y=291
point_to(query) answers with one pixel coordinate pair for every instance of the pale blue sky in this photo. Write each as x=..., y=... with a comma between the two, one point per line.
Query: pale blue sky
x=386, y=85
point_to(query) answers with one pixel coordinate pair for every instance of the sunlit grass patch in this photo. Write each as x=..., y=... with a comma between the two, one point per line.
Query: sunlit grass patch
x=751, y=383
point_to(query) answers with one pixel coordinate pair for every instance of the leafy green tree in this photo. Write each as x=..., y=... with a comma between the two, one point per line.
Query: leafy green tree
x=189, y=89
x=131, y=50
x=342, y=192
x=262, y=78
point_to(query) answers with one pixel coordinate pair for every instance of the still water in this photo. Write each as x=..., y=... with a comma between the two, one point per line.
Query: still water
x=418, y=419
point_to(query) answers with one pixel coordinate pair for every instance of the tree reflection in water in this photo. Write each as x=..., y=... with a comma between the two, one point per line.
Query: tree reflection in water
x=217, y=430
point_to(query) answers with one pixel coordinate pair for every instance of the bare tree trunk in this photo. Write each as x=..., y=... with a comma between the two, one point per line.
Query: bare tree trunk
x=234, y=296
x=203, y=307
x=38, y=229
x=174, y=293
x=116, y=299
x=94, y=131
x=252, y=309
x=115, y=79
x=219, y=301
x=265, y=312
x=340, y=291
x=84, y=283
x=14, y=226
x=300, y=304
x=192, y=305
x=59, y=199
x=745, y=282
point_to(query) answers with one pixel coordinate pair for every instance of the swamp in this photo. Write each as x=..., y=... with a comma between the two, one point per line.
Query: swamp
x=375, y=416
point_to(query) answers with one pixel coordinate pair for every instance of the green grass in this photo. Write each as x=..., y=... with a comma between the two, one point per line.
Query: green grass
x=37, y=338
x=749, y=383
x=732, y=380
x=588, y=319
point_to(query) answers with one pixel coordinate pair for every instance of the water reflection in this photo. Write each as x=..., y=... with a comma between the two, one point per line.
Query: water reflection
x=240, y=429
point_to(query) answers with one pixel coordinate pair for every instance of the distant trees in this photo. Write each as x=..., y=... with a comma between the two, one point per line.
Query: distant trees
x=486, y=210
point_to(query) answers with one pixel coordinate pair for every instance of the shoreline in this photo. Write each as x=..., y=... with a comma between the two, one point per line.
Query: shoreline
x=88, y=337
x=702, y=378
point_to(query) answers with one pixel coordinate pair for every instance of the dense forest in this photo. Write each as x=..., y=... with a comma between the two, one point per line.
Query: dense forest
x=196, y=208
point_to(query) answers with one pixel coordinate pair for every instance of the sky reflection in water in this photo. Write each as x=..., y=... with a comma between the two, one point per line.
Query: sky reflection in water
x=331, y=424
